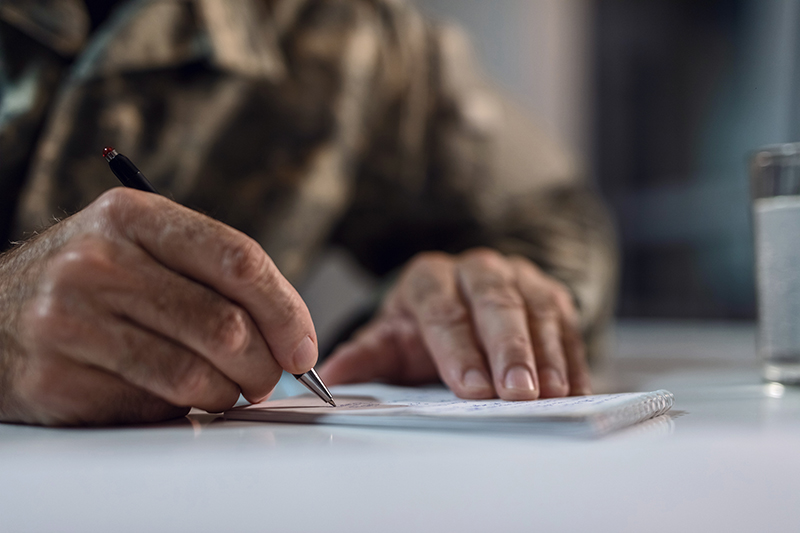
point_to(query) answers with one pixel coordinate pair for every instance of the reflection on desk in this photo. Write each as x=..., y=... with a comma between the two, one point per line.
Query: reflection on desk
x=727, y=460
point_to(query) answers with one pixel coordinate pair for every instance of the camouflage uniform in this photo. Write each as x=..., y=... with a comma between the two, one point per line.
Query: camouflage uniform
x=303, y=123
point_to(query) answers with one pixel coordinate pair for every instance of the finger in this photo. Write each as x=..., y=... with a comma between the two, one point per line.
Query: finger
x=544, y=319
x=59, y=392
x=574, y=347
x=574, y=369
x=429, y=293
x=222, y=258
x=140, y=357
x=177, y=308
x=579, y=376
x=551, y=362
x=389, y=350
x=499, y=316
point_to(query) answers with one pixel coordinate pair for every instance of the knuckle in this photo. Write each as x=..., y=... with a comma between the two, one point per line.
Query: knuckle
x=48, y=319
x=496, y=292
x=429, y=275
x=385, y=332
x=291, y=307
x=564, y=299
x=230, y=334
x=544, y=310
x=180, y=377
x=578, y=360
x=85, y=258
x=543, y=306
x=243, y=261
x=515, y=347
x=42, y=312
x=484, y=258
x=115, y=203
x=442, y=311
x=188, y=382
x=500, y=299
x=428, y=260
x=559, y=291
x=525, y=264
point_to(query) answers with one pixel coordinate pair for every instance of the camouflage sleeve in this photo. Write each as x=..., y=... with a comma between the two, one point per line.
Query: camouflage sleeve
x=305, y=121
x=452, y=165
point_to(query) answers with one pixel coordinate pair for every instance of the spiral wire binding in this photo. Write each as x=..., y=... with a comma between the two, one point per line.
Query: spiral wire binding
x=654, y=404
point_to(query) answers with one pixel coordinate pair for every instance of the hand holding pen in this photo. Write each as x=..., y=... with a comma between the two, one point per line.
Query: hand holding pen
x=135, y=309
x=132, y=177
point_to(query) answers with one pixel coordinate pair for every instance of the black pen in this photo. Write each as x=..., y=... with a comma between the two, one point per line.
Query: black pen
x=132, y=177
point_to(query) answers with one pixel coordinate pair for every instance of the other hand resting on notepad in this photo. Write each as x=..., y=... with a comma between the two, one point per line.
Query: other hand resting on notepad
x=135, y=309
x=487, y=324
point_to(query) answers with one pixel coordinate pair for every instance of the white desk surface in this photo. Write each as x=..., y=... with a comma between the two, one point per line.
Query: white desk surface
x=728, y=460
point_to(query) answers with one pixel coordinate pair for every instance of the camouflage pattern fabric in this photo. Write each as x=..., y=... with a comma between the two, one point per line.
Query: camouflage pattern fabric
x=303, y=123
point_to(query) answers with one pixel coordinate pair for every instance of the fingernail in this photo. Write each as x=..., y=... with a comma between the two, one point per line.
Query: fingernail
x=474, y=379
x=306, y=354
x=519, y=377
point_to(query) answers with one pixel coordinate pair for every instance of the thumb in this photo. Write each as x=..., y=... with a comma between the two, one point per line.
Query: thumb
x=389, y=350
x=370, y=357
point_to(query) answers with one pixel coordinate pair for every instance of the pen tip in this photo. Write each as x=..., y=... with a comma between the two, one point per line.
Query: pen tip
x=332, y=402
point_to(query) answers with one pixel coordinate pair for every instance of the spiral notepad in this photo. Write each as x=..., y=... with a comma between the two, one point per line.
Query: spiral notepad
x=387, y=406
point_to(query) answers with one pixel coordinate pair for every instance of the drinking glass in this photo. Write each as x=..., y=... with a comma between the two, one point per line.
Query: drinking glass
x=775, y=180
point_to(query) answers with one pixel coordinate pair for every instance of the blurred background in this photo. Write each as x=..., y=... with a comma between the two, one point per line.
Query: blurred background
x=663, y=100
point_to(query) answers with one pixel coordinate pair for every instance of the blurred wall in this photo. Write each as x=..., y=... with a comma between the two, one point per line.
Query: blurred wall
x=536, y=50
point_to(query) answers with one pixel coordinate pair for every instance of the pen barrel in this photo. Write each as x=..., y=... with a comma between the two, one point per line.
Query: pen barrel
x=129, y=175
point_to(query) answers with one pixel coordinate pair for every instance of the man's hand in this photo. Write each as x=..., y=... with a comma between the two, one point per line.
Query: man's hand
x=136, y=309
x=486, y=324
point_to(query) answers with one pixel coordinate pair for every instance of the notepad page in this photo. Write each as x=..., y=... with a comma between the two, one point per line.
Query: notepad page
x=383, y=405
